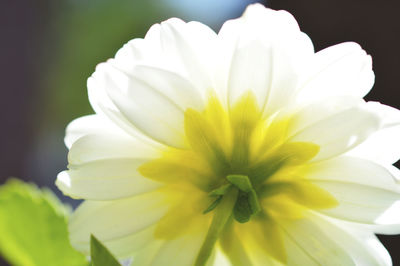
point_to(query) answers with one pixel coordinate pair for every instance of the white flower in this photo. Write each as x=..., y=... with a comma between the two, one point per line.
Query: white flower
x=243, y=147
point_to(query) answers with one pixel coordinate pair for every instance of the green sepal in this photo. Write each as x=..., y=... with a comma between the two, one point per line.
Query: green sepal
x=222, y=190
x=213, y=205
x=246, y=203
x=100, y=255
x=242, y=210
x=242, y=182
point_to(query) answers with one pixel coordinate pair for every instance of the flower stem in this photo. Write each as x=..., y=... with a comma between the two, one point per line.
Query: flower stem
x=221, y=216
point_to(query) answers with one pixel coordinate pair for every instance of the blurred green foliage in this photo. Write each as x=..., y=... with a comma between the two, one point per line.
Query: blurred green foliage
x=33, y=227
x=87, y=33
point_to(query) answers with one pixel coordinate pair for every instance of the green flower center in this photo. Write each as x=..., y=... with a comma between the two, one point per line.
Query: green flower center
x=238, y=163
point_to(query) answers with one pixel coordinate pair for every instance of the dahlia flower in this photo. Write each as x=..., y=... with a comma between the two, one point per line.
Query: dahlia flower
x=244, y=147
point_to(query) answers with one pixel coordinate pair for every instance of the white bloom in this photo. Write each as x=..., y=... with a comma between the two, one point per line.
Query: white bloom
x=243, y=147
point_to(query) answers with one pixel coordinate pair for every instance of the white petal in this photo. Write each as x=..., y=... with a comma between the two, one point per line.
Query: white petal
x=375, y=249
x=173, y=86
x=259, y=257
x=251, y=70
x=345, y=169
x=218, y=259
x=390, y=116
x=363, y=204
x=261, y=51
x=105, y=180
x=351, y=170
x=343, y=69
x=182, y=250
x=134, y=60
x=90, y=124
x=146, y=255
x=154, y=113
x=362, y=246
x=100, y=146
x=308, y=244
x=109, y=220
x=185, y=48
x=136, y=51
x=290, y=57
x=340, y=132
x=98, y=97
x=317, y=111
x=382, y=146
x=125, y=246
x=297, y=255
x=102, y=104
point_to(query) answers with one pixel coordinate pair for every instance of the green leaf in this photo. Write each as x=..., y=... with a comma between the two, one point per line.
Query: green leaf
x=100, y=254
x=33, y=227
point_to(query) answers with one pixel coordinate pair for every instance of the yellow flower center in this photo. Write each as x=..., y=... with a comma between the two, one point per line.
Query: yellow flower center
x=236, y=159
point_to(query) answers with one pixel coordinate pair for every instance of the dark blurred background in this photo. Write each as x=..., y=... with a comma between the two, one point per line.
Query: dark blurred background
x=49, y=48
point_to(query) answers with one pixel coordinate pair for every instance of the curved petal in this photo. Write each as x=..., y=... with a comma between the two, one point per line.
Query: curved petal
x=105, y=180
x=100, y=146
x=149, y=110
x=352, y=170
x=187, y=49
x=233, y=248
x=157, y=55
x=347, y=61
x=362, y=203
x=182, y=251
x=103, y=106
x=175, y=87
x=261, y=54
x=190, y=46
x=390, y=116
x=136, y=51
x=126, y=246
x=109, y=220
x=308, y=244
x=375, y=249
x=89, y=124
x=340, y=132
x=318, y=111
x=362, y=246
x=146, y=255
x=384, y=145
x=218, y=258
x=264, y=242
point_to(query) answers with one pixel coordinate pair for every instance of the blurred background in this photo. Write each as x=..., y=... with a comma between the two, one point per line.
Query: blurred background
x=49, y=48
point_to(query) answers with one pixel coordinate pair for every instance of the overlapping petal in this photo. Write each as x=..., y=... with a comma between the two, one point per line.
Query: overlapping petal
x=340, y=132
x=99, y=217
x=261, y=53
x=304, y=239
x=105, y=180
x=347, y=61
